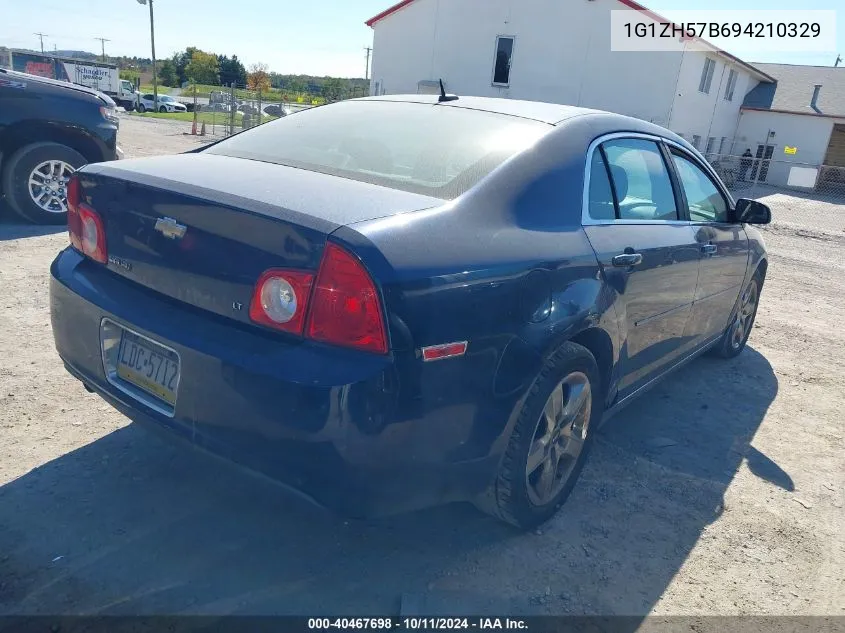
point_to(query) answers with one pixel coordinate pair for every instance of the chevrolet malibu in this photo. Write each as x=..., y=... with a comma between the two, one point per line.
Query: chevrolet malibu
x=394, y=302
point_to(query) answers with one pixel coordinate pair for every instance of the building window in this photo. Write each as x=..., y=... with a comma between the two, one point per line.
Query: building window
x=729, y=89
x=502, y=63
x=707, y=76
x=696, y=141
x=711, y=143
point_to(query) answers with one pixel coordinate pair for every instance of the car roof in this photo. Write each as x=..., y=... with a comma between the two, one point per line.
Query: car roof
x=551, y=113
x=52, y=82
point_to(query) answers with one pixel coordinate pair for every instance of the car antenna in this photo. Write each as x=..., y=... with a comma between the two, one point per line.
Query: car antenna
x=444, y=96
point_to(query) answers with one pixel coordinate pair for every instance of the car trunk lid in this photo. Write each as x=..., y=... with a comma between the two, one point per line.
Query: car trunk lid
x=201, y=229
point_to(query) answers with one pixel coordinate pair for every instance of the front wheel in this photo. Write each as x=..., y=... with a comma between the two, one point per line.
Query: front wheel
x=162, y=109
x=35, y=181
x=734, y=339
x=550, y=440
x=142, y=108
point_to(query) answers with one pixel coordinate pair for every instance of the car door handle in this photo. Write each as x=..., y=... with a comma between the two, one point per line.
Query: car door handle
x=709, y=249
x=627, y=259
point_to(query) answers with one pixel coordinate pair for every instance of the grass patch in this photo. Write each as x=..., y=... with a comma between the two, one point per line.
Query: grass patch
x=274, y=96
x=162, y=90
x=209, y=118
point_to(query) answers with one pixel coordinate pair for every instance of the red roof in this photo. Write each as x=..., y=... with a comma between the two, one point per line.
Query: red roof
x=628, y=3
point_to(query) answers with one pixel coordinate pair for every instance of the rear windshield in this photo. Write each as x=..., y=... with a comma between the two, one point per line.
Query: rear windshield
x=435, y=150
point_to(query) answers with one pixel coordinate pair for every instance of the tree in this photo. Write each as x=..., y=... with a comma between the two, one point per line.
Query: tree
x=296, y=86
x=180, y=62
x=333, y=89
x=232, y=71
x=167, y=73
x=202, y=68
x=258, y=78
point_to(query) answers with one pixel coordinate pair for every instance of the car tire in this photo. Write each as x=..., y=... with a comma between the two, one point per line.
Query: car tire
x=142, y=108
x=736, y=335
x=19, y=170
x=163, y=109
x=514, y=495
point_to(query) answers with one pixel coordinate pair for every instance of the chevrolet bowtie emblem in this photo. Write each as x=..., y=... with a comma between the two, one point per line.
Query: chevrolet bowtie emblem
x=170, y=228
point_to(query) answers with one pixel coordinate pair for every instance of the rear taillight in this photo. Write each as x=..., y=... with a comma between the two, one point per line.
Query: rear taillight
x=280, y=299
x=342, y=305
x=74, y=225
x=84, y=225
x=345, y=306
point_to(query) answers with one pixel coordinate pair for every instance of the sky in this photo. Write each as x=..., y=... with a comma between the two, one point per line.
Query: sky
x=315, y=37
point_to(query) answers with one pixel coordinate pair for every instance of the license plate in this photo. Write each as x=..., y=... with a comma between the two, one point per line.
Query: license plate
x=148, y=366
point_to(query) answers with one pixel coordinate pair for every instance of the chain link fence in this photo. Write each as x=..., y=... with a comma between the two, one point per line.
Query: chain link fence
x=226, y=110
x=748, y=176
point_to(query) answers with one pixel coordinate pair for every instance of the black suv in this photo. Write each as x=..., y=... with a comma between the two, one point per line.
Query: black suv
x=49, y=129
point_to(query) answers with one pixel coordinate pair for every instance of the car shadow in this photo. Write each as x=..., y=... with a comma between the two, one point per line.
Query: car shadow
x=130, y=524
x=12, y=227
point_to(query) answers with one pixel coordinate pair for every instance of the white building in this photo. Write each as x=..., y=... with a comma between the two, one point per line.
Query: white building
x=559, y=51
x=802, y=115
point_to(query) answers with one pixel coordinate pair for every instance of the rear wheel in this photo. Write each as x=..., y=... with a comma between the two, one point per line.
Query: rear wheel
x=35, y=181
x=736, y=336
x=550, y=441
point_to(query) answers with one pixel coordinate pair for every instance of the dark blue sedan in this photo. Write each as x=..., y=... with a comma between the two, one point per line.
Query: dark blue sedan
x=400, y=301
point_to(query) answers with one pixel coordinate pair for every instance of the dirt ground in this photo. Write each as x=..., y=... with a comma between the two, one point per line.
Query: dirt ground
x=721, y=492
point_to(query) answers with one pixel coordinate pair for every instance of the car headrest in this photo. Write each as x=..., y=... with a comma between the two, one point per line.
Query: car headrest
x=620, y=181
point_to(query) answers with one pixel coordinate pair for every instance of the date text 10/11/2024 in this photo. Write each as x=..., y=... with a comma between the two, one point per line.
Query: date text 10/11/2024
x=416, y=623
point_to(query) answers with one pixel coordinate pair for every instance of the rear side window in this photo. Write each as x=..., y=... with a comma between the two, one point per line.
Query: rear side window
x=436, y=150
x=705, y=201
x=640, y=180
x=601, y=195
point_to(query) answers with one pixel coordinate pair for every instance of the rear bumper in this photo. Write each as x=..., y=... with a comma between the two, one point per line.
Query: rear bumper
x=332, y=423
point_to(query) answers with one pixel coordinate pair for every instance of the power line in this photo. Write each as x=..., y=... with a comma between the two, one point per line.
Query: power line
x=103, y=41
x=41, y=37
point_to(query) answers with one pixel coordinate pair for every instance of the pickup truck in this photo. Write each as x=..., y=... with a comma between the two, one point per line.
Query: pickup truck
x=48, y=130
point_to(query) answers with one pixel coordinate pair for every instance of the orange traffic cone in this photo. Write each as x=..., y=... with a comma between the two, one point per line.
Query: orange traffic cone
x=202, y=132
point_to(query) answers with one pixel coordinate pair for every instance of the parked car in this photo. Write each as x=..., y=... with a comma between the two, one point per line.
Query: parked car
x=277, y=110
x=247, y=108
x=166, y=103
x=399, y=301
x=48, y=129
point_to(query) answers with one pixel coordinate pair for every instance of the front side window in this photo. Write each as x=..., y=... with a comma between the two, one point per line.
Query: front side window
x=706, y=76
x=504, y=58
x=705, y=201
x=640, y=180
x=436, y=151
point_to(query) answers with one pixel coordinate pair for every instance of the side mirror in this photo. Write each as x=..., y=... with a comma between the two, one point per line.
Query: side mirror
x=752, y=212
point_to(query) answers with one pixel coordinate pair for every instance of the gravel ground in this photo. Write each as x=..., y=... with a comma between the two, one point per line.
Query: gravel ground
x=721, y=492
x=151, y=137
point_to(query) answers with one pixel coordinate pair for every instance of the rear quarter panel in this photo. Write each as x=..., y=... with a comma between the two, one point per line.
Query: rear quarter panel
x=506, y=267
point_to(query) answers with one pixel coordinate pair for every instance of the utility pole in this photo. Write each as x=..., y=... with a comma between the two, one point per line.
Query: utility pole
x=153, y=46
x=41, y=37
x=367, y=72
x=103, y=41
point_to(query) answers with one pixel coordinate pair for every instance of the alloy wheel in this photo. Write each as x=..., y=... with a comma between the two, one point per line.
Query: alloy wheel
x=559, y=438
x=745, y=315
x=48, y=185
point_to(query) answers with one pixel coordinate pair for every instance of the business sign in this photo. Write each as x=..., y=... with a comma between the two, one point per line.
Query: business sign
x=790, y=150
